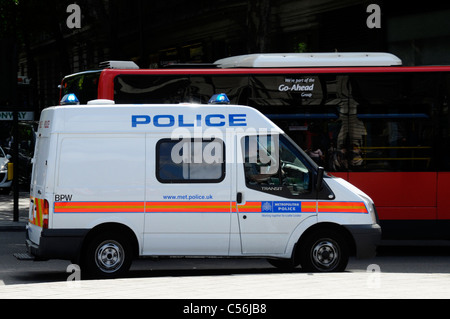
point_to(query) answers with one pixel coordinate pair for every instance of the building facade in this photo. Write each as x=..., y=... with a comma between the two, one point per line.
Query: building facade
x=156, y=33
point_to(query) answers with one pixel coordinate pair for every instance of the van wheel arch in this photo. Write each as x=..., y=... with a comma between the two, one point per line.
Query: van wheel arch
x=331, y=227
x=326, y=227
x=115, y=230
x=319, y=230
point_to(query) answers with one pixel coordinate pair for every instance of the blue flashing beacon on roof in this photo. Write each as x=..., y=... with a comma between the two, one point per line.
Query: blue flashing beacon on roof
x=70, y=99
x=221, y=98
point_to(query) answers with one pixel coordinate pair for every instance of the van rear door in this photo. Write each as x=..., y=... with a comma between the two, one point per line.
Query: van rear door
x=39, y=178
x=37, y=188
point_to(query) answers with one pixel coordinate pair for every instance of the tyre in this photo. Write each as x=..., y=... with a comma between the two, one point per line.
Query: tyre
x=107, y=256
x=324, y=251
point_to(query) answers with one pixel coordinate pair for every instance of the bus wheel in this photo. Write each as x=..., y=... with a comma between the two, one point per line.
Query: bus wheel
x=324, y=251
x=107, y=256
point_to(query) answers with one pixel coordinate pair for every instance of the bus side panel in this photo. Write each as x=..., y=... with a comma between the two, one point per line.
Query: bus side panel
x=400, y=195
x=443, y=196
x=343, y=175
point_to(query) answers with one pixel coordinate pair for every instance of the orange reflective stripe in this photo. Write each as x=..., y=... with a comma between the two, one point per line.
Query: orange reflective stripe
x=140, y=207
x=99, y=207
x=192, y=207
x=37, y=217
x=309, y=207
x=39, y=214
x=250, y=207
x=341, y=207
x=188, y=207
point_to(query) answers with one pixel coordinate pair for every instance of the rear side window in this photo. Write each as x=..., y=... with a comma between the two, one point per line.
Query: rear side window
x=190, y=161
x=40, y=164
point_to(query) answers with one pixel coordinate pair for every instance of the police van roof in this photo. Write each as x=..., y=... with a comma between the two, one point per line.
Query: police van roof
x=334, y=59
x=158, y=118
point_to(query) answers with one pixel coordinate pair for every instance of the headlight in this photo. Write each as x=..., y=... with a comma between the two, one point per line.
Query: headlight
x=4, y=167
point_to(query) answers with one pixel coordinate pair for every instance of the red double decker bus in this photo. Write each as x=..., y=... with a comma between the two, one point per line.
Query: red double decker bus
x=383, y=127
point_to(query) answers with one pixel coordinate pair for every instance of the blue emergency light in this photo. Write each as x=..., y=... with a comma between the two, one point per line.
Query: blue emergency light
x=221, y=98
x=70, y=99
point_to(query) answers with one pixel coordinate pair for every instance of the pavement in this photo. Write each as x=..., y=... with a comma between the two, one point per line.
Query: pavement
x=189, y=289
x=346, y=285
x=7, y=212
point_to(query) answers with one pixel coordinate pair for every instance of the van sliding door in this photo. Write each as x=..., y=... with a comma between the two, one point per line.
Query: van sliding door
x=187, y=197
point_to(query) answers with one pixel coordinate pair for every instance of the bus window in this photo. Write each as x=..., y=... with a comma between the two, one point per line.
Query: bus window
x=135, y=88
x=181, y=88
x=443, y=135
x=202, y=87
x=307, y=108
x=391, y=128
x=287, y=92
x=84, y=85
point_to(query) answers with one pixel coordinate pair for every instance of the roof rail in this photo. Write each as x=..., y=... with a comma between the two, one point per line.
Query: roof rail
x=118, y=65
x=332, y=59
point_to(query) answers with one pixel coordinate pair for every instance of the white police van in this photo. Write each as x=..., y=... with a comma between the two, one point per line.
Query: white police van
x=111, y=183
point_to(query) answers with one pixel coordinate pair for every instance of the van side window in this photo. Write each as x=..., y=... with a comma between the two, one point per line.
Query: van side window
x=272, y=165
x=190, y=160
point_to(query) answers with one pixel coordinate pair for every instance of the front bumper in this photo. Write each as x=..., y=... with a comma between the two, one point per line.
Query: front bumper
x=367, y=238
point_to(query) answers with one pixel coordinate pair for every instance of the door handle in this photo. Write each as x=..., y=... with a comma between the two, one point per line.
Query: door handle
x=239, y=198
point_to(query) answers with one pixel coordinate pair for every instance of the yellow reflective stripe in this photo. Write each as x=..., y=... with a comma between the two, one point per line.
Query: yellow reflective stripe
x=38, y=212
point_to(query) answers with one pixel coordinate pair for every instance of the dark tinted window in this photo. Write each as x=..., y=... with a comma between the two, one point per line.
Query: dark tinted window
x=150, y=89
x=84, y=85
x=390, y=121
x=273, y=165
x=307, y=107
x=442, y=141
x=190, y=161
x=234, y=86
x=356, y=122
x=178, y=88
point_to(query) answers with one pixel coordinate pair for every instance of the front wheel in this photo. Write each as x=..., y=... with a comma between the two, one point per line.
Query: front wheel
x=324, y=251
x=107, y=256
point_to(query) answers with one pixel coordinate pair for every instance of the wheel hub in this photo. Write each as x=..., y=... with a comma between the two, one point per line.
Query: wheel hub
x=325, y=254
x=109, y=256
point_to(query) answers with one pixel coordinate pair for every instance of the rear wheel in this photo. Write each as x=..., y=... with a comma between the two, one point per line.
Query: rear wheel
x=324, y=251
x=107, y=256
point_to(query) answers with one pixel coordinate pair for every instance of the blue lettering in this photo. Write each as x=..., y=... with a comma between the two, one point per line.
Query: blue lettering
x=139, y=119
x=210, y=116
x=210, y=120
x=238, y=119
x=156, y=120
x=181, y=122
